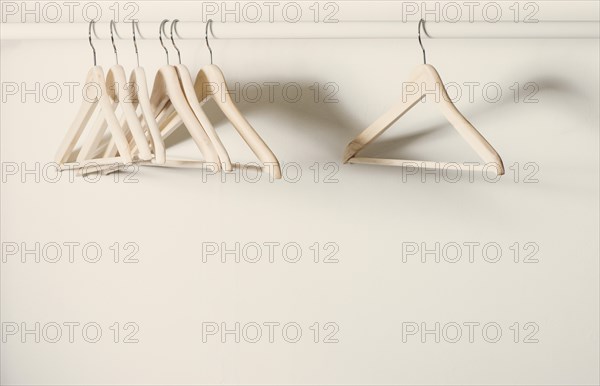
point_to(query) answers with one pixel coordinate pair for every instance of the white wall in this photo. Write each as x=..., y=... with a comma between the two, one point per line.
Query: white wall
x=372, y=214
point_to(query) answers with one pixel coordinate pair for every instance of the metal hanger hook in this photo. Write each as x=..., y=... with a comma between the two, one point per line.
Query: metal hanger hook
x=112, y=39
x=208, y=25
x=135, y=42
x=422, y=22
x=92, y=25
x=173, y=29
x=160, y=32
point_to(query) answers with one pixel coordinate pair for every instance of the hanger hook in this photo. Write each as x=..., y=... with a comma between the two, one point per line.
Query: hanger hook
x=208, y=25
x=422, y=22
x=92, y=25
x=160, y=32
x=173, y=40
x=135, y=42
x=112, y=39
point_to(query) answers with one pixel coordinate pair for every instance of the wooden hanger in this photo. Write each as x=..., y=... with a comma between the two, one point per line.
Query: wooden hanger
x=106, y=113
x=210, y=82
x=427, y=78
x=142, y=97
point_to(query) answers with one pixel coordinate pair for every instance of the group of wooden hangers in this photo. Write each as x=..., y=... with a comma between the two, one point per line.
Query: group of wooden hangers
x=176, y=100
x=147, y=119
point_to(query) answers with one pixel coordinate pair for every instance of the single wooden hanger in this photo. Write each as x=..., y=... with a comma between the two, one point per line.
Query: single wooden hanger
x=105, y=113
x=142, y=96
x=427, y=77
x=204, y=86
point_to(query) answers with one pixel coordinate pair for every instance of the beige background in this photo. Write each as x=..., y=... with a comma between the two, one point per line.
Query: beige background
x=369, y=213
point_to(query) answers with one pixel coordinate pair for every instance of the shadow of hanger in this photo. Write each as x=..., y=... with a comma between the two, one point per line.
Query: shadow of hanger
x=341, y=123
x=314, y=114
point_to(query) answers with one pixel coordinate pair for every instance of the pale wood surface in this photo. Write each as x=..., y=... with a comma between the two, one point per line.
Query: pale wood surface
x=104, y=103
x=171, y=106
x=126, y=98
x=425, y=77
x=206, y=80
x=138, y=77
x=123, y=95
x=167, y=88
x=192, y=98
x=167, y=98
x=210, y=83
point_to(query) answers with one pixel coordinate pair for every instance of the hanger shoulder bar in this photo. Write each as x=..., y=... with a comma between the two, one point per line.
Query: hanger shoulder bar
x=466, y=130
x=406, y=102
x=192, y=98
x=84, y=114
